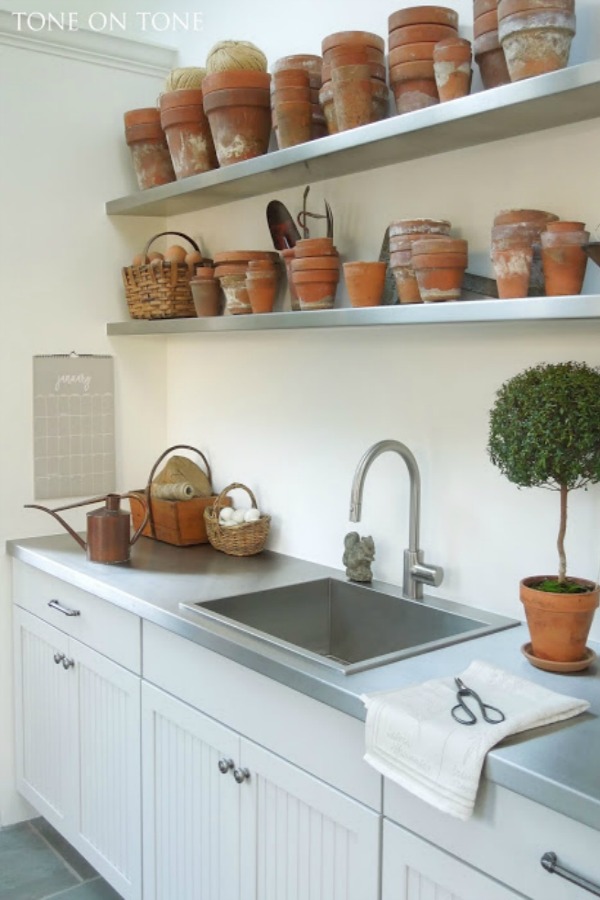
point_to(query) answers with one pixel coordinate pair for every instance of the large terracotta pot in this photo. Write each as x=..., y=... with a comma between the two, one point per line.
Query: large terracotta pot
x=564, y=259
x=149, y=149
x=536, y=41
x=188, y=133
x=240, y=121
x=559, y=624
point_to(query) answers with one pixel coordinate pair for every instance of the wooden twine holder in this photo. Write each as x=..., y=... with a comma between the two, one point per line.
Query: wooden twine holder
x=245, y=539
x=160, y=290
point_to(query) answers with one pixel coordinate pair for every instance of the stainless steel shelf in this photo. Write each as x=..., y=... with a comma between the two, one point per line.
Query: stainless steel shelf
x=557, y=98
x=461, y=312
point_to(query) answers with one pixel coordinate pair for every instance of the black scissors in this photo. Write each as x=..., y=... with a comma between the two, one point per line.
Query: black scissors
x=465, y=716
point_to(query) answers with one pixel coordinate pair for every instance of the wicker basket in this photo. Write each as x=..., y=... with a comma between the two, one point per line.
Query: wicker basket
x=178, y=522
x=245, y=539
x=160, y=290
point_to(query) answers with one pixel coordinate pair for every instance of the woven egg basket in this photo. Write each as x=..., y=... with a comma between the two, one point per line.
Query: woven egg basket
x=245, y=539
x=161, y=289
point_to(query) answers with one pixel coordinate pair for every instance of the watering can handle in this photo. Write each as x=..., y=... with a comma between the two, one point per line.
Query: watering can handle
x=146, y=516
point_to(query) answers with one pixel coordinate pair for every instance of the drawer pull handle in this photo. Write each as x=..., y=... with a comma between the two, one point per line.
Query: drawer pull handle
x=241, y=775
x=225, y=765
x=68, y=663
x=550, y=863
x=58, y=657
x=55, y=604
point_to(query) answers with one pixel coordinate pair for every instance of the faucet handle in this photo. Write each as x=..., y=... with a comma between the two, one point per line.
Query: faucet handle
x=417, y=573
x=432, y=575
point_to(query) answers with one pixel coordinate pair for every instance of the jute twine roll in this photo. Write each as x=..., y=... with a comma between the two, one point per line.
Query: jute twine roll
x=235, y=55
x=180, y=469
x=189, y=77
x=181, y=491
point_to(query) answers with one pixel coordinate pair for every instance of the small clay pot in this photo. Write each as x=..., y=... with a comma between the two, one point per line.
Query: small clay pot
x=312, y=263
x=226, y=257
x=289, y=94
x=365, y=282
x=407, y=285
x=486, y=22
x=376, y=70
x=417, y=34
x=148, y=146
x=512, y=269
x=510, y=7
x=262, y=290
x=315, y=247
x=207, y=296
x=233, y=79
x=352, y=96
x=416, y=226
x=310, y=62
x=411, y=53
x=328, y=107
x=536, y=41
x=409, y=71
x=561, y=225
x=443, y=283
x=489, y=56
x=316, y=290
x=285, y=78
x=188, y=133
x=423, y=15
x=415, y=94
x=480, y=7
x=440, y=244
x=564, y=261
x=438, y=260
x=558, y=624
x=294, y=123
x=452, y=68
x=288, y=257
x=362, y=38
x=237, y=301
x=204, y=273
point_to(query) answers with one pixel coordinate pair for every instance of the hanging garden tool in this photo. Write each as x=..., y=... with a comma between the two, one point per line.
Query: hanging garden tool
x=306, y=214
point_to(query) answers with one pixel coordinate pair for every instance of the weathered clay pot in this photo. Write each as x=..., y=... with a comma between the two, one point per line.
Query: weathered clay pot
x=365, y=282
x=480, y=7
x=510, y=7
x=490, y=58
x=408, y=71
x=290, y=94
x=512, y=269
x=411, y=53
x=361, y=38
x=288, y=257
x=422, y=15
x=538, y=217
x=485, y=23
x=564, y=261
x=316, y=289
x=237, y=301
x=328, y=107
x=414, y=94
x=261, y=285
x=417, y=34
x=311, y=263
x=207, y=296
x=294, y=123
x=436, y=280
x=452, y=68
x=561, y=225
x=310, y=62
x=376, y=70
x=232, y=79
x=438, y=260
x=315, y=247
x=188, y=132
x=440, y=244
x=284, y=78
x=536, y=41
x=149, y=149
x=352, y=96
x=240, y=122
x=559, y=624
x=417, y=226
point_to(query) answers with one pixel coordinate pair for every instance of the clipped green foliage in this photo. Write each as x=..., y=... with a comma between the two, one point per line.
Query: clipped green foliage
x=545, y=427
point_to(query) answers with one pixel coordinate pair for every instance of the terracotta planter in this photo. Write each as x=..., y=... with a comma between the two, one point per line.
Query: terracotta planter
x=362, y=38
x=411, y=53
x=564, y=261
x=489, y=56
x=207, y=296
x=290, y=94
x=407, y=285
x=512, y=270
x=328, y=107
x=233, y=79
x=415, y=94
x=261, y=286
x=480, y=7
x=288, y=257
x=538, y=217
x=409, y=71
x=560, y=225
x=365, y=282
x=188, y=133
x=437, y=284
x=307, y=61
x=421, y=15
x=418, y=226
x=452, y=68
x=352, y=96
x=510, y=7
x=438, y=260
x=294, y=123
x=536, y=41
x=240, y=122
x=418, y=34
x=148, y=146
x=486, y=22
x=440, y=244
x=237, y=301
x=284, y=78
x=558, y=624
x=312, y=263
x=316, y=290
x=376, y=70
x=315, y=247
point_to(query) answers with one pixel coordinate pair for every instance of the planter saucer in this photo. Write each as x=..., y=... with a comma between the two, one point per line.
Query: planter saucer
x=550, y=665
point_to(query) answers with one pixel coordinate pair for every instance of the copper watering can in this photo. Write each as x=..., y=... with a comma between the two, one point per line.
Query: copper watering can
x=109, y=538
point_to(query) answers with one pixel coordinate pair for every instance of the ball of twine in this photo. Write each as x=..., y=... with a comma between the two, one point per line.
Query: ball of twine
x=184, y=79
x=235, y=55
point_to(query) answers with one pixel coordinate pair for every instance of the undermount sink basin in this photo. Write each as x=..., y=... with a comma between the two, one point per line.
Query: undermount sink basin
x=348, y=626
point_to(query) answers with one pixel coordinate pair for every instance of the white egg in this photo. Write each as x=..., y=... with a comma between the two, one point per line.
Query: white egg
x=225, y=515
x=252, y=515
x=238, y=516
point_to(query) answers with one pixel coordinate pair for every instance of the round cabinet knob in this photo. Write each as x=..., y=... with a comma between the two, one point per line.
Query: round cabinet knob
x=58, y=657
x=225, y=765
x=241, y=775
x=68, y=663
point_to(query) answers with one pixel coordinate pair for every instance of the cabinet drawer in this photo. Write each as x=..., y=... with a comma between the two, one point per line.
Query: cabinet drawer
x=112, y=631
x=313, y=736
x=506, y=838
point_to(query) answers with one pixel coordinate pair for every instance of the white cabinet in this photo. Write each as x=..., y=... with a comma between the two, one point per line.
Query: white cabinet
x=413, y=869
x=225, y=819
x=78, y=737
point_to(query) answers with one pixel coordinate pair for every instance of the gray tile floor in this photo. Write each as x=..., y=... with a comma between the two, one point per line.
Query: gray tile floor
x=36, y=863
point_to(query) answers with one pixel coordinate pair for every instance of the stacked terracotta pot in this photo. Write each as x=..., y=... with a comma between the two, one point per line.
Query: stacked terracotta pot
x=536, y=35
x=563, y=257
x=452, y=68
x=413, y=33
x=148, y=145
x=206, y=292
x=238, y=105
x=231, y=269
x=354, y=90
x=188, y=133
x=310, y=66
x=315, y=273
x=516, y=252
x=487, y=48
x=403, y=233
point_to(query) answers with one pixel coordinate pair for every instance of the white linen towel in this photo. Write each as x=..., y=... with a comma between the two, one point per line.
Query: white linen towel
x=412, y=739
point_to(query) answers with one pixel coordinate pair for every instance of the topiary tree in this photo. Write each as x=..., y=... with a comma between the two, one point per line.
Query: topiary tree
x=545, y=432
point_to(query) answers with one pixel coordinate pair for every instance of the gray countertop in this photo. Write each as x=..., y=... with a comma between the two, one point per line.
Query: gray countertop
x=556, y=765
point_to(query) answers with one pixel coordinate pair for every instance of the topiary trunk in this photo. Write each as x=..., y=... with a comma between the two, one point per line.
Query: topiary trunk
x=562, y=558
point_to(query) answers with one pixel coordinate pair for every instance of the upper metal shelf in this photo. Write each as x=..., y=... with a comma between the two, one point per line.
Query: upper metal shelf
x=557, y=98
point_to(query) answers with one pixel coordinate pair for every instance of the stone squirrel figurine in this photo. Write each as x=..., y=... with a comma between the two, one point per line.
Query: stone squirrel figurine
x=359, y=553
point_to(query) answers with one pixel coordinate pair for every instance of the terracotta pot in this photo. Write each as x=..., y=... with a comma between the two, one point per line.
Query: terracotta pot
x=261, y=265
x=288, y=256
x=564, y=261
x=237, y=301
x=416, y=226
x=290, y=94
x=559, y=624
x=362, y=38
x=480, y=7
x=418, y=34
x=487, y=22
x=231, y=269
x=312, y=263
x=365, y=282
x=380, y=100
x=315, y=247
x=240, y=123
x=492, y=63
x=512, y=270
x=284, y=78
x=411, y=53
x=409, y=71
x=328, y=107
x=204, y=273
x=262, y=290
x=294, y=123
x=407, y=285
x=244, y=256
x=316, y=290
x=188, y=136
x=148, y=146
x=438, y=260
x=207, y=296
x=233, y=79
x=421, y=15
x=452, y=68
x=310, y=62
x=537, y=217
x=560, y=225
x=440, y=244
x=437, y=284
x=376, y=70
x=510, y=7
x=515, y=234
x=352, y=96
x=412, y=95
x=535, y=42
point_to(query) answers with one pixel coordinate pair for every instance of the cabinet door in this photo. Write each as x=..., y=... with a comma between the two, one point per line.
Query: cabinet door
x=413, y=869
x=108, y=818
x=301, y=838
x=191, y=808
x=45, y=739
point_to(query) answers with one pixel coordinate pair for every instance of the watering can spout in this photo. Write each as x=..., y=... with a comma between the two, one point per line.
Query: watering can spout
x=65, y=525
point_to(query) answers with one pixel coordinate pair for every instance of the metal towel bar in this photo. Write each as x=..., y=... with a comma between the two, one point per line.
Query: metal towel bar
x=550, y=863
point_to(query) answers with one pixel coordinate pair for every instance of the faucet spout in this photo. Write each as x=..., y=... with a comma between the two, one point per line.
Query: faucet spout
x=415, y=570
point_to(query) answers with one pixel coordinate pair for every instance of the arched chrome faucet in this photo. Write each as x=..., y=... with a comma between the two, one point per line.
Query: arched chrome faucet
x=416, y=571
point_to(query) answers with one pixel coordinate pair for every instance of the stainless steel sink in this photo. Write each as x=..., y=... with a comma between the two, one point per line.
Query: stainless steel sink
x=348, y=626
